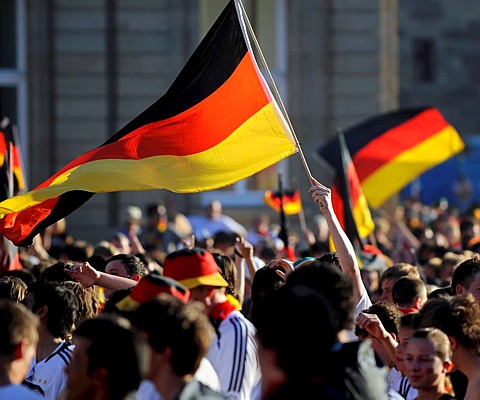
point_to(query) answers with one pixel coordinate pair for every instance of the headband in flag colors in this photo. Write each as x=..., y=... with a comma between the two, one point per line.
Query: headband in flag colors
x=218, y=123
x=348, y=201
x=392, y=149
x=290, y=201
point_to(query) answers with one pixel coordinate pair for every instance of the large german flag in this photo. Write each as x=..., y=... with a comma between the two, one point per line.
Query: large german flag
x=218, y=123
x=392, y=149
x=348, y=201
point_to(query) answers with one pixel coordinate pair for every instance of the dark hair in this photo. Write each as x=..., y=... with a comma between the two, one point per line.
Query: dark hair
x=332, y=283
x=132, y=263
x=115, y=347
x=62, y=306
x=56, y=273
x=265, y=282
x=458, y=318
x=441, y=293
x=295, y=309
x=406, y=289
x=465, y=273
x=331, y=257
x=388, y=315
x=182, y=327
x=228, y=270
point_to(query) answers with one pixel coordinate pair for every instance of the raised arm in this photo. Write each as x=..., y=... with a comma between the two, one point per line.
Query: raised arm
x=89, y=276
x=322, y=195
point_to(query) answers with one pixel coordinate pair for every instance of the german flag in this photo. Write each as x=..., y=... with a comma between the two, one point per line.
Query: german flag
x=9, y=158
x=348, y=201
x=291, y=201
x=218, y=123
x=392, y=149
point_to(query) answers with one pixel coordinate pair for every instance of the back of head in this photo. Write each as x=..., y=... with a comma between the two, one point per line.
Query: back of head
x=387, y=313
x=300, y=329
x=60, y=303
x=56, y=273
x=182, y=327
x=398, y=270
x=114, y=347
x=12, y=288
x=16, y=324
x=458, y=318
x=265, y=282
x=465, y=273
x=406, y=290
x=334, y=285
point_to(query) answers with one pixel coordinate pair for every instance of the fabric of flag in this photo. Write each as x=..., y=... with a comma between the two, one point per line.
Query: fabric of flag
x=8, y=148
x=218, y=123
x=391, y=150
x=348, y=200
x=291, y=201
x=10, y=165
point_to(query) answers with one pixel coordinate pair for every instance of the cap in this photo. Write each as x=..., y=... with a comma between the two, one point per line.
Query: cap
x=149, y=287
x=303, y=261
x=193, y=267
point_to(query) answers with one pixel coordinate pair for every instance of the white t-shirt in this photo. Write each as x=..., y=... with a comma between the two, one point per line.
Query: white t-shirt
x=18, y=392
x=233, y=354
x=400, y=383
x=362, y=304
x=48, y=375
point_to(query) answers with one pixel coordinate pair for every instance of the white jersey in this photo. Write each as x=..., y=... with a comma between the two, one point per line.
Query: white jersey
x=48, y=375
x=400, y=383
x=233, y=354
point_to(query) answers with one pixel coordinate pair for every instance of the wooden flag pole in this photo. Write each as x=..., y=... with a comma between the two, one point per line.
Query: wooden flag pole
x=275, y=93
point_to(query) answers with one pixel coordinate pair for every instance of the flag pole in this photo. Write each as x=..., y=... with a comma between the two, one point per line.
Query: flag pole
x=276, y=93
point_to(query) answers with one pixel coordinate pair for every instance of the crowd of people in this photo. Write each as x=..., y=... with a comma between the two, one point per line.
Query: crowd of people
x=200, y=307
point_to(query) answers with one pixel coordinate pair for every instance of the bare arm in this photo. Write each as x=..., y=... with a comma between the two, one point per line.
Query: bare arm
x=346, y=254
x=89, y=276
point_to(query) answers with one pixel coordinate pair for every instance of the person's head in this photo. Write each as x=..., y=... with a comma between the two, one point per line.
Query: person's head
x=56, y=272
x=450, y=261
x=224, y=242
x=469, y=228
x=390, y=276
x=466, y=278
x=296, y=334
x=408, y=325
x=108, y=360
x=389, y=316
x=18, y=339
x=214, y=209
x=126, y=266
x=56, y=306
x=265, y=282
x=459, y=319
x=332, y=283
x=197, y=270
x=228, y=270
x=428, y=359
x=179, y=335
x=12, y=288
x=409, y=293
x=88, y=300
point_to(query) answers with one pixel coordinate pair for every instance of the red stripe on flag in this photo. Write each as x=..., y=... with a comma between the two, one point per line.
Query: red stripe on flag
x=396, y=141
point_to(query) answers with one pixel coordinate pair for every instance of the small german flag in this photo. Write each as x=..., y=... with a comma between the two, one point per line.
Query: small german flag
x=291, y=201
x=390, y=150
x=217, y=124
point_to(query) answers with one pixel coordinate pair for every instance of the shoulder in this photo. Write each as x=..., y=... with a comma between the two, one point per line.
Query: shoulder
x=18, y=392
x=197, y=390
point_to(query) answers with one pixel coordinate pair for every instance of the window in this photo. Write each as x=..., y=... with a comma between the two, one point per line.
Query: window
x=13, y=87
x=271, y=35
x=423, y=60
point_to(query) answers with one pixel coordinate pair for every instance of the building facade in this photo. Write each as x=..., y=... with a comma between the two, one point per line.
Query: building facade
x=73, y=72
